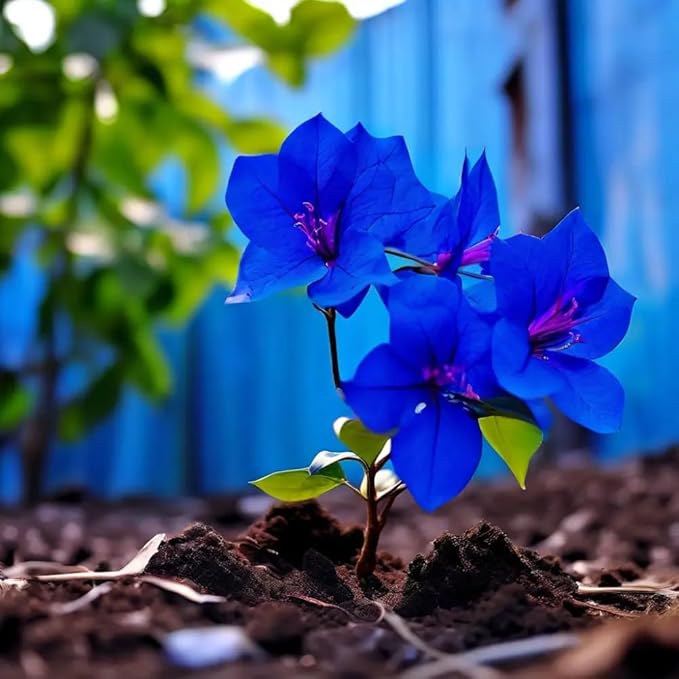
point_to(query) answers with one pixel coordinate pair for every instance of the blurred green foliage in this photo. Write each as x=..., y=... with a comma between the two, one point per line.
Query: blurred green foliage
x=83, y=124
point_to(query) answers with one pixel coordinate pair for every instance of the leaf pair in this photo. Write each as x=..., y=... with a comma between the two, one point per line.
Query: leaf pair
x=325, y=472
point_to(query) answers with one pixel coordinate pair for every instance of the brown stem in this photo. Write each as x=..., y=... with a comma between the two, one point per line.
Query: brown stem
x=374, y=525
x=40, y=428
x=37, y=434
x=367, y=559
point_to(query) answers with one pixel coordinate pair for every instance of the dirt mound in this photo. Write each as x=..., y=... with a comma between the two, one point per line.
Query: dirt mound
x=637, y=650
x=287, y=532
x=461, y=569
x=204, y=557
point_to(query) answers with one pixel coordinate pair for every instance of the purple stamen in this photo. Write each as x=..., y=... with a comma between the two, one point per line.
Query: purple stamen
x=553, y=331
x=443, y=260
x=450, y=378
x=479, y=252
x=320, y=233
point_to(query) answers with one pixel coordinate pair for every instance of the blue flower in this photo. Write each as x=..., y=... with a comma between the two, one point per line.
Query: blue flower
x=319, y=212
x=435, y=361
x=461, y=231
x=559, y=309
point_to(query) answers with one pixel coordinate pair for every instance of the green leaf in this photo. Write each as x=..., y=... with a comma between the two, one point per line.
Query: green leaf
x=255, y=135
x=92, y=405
x=514, y=440
x=321, y=26
x=385, y=481
x=296, y=485
x=198, y=152
x=15, y=401
x=355, y=436
x=326, y=458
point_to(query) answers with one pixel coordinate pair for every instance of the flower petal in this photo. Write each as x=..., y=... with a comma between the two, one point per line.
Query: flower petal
x=591, y=395
x=512, y=265
x=436, y=452
x=604, y=324
x=423, y=313
x=574, y=257
x=253, y=200
x=387, y=198
x=348, y=308
x=361, y=262
x=316, y=163
x=384, y=390
x=264, y=273
x=520, y=373
x=478, y=215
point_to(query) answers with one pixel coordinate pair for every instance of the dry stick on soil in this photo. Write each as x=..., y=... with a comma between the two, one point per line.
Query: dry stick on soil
x=136, y=566
x=640, y=587
x=472, y=663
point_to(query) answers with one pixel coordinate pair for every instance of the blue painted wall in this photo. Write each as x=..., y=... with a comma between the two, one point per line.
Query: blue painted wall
x=625, y=81
x=253, y=384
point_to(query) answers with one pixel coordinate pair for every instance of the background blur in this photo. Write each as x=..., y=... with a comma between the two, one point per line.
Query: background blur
x=121, y=369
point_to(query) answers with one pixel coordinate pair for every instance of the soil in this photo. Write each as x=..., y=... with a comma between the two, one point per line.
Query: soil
x=503, y=565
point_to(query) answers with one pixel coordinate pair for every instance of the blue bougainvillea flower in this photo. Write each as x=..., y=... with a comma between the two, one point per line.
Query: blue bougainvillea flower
x=461, y=231
x=437, y=358
x=558, y=309
x=319, y=211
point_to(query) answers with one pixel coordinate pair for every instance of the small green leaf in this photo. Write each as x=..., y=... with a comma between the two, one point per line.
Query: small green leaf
x=296, y=485
x=503, y=406
x=385, y=481
x=326, y=458
x=15, y=401
x=365, y=443
x=94, y=404
x=514, y=440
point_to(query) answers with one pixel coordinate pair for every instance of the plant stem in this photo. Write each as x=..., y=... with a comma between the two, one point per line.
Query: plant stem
x=40, y=428
x=375, y=522
x=472, y=274
x=367, y=559
x=405, y=255
x=330, y=318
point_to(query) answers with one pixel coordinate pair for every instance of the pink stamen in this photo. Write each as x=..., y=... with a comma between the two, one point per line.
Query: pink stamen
x=320, y=233
x=553, y=331
x=479, y=252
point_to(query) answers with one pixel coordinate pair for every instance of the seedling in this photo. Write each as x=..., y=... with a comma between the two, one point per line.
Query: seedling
x=481, y=330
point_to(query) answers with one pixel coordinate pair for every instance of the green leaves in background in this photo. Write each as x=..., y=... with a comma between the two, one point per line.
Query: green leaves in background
x=84, y=125
x=96, y=402
x=297, y=485
x=15, y=401
x=355, y=436
x=514, y=440
x=316, y=28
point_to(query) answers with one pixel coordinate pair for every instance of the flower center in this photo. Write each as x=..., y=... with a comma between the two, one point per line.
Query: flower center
x=320, y=233
x=450, y=379
x=553, y=331
x=479, y=252
x=475, y=254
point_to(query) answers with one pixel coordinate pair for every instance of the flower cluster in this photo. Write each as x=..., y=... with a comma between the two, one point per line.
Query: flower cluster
x=332, y=210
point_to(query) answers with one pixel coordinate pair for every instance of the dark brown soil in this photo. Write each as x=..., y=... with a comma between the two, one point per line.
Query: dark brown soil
x=504, y=565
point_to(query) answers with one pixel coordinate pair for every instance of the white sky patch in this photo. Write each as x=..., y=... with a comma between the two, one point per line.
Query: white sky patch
x=79, y=66
x=34, y=22
x=105, y=103
x=359, y=9
x=420, y=407
x=6, y=62
x=151, y=8
x=227, y=64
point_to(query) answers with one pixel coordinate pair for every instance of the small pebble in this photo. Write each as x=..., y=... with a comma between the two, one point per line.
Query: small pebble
x=199, y=647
